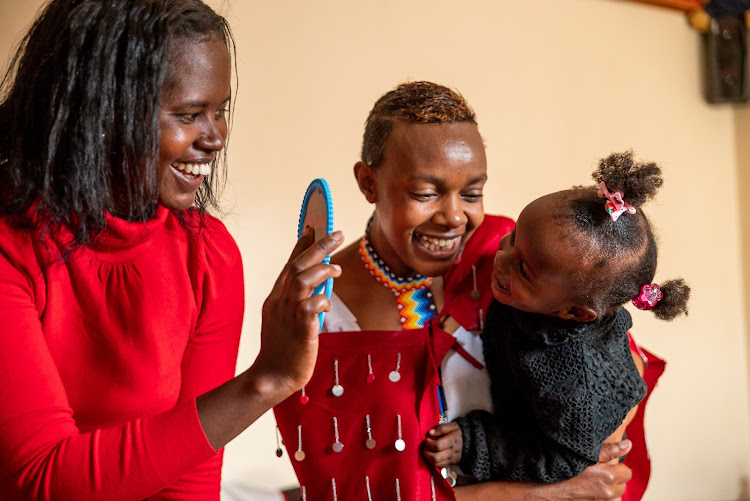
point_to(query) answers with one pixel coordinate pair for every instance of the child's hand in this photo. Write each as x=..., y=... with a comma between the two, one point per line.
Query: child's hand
x=443, y=445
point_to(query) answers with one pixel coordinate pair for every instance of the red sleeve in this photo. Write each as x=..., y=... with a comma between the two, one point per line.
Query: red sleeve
x=474, y=268
x=211, y=354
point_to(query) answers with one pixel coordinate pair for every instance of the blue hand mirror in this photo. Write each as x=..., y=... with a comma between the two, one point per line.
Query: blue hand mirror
x=317, y=211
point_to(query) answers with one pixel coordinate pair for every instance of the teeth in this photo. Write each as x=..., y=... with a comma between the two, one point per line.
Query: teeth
x=438, y=243
x=192, y=169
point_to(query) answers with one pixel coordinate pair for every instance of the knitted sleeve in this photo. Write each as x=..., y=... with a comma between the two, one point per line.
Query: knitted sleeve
x=493, y=453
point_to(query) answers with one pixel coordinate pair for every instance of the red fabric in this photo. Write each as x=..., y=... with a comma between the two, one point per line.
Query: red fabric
x=479, y=252
x=103, y=355
x=638, y=459
x=413, y=397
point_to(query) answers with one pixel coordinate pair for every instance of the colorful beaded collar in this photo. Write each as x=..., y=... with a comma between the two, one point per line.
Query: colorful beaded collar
x=413, y=295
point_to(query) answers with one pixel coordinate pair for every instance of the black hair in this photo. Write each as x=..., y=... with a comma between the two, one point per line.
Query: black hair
x=412, y=102
x=79, y=110
x=625, y=250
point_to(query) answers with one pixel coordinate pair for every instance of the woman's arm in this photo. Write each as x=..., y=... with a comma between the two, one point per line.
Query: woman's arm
x=43, y=454
x=602, y=482
x=289, y=345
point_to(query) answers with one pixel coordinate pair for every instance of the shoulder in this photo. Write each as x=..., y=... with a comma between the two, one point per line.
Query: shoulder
x=486, y=238
x=18, y=240
x=216, y=246
x=498, y=223
x=219, y=244
x=22, y=259
x=215, y=232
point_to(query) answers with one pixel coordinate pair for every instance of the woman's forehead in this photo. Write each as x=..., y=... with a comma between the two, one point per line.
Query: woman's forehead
x=440, y=149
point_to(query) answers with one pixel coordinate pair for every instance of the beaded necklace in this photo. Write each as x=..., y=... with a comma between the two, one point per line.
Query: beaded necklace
x=413, y=295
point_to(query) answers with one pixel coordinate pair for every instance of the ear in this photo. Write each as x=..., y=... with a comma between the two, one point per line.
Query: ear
x=578, y=313
x=365, y=176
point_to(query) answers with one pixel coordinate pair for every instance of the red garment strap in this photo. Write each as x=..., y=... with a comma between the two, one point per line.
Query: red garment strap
x=466, y=355
x=431, y=351
x=456, y=346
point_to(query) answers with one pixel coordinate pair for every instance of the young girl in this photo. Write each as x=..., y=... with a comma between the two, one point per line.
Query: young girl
x=555, y=339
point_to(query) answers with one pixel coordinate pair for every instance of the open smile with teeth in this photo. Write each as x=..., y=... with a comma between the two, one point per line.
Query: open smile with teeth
x=193, y=169
x=441, y=244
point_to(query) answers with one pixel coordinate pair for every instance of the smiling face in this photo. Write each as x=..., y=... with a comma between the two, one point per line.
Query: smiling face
x=427, y=194
x=539, y=264
x=192, y=118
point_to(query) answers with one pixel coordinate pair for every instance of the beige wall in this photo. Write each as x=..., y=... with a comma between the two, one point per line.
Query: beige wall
x=556, y=84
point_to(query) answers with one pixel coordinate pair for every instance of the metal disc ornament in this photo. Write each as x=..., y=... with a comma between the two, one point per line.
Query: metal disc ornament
x=337, y=447
x=337, y=390
x=400, y=445
x=394, y=376
x=299, y=455
x=449, y=475
x=370, y=443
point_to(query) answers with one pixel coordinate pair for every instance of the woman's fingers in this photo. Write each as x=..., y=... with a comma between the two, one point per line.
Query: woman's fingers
x=309, y=309
x=307, y=252
x=611, y=452
x=305, y=269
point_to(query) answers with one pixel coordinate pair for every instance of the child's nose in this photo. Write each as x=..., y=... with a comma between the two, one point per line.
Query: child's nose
x=500, y=262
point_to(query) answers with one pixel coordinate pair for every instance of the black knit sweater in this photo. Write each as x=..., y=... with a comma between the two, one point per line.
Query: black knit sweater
x=558, y=394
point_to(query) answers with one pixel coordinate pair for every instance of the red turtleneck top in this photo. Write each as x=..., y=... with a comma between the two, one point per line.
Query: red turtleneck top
x=103, y=354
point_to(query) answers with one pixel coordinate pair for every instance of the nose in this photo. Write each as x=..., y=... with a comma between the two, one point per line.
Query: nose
x=451, y=213
x=212, y=137
x=503, y=259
